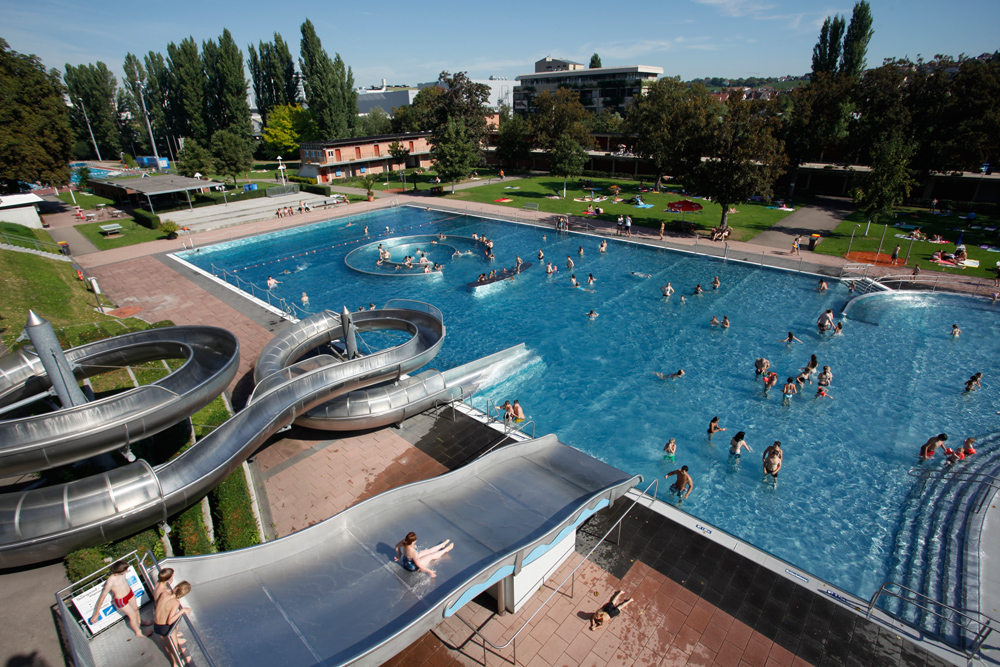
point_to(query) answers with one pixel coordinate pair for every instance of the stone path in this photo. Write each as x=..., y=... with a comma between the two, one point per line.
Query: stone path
x=821, y=216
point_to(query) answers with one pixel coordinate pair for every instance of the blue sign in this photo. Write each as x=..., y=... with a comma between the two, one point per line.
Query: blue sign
x=985, y=167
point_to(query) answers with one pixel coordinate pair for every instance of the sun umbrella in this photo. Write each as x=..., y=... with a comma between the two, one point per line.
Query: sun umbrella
x=684, y=206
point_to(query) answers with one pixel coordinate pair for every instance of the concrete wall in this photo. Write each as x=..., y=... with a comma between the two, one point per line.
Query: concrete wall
x=22, y=215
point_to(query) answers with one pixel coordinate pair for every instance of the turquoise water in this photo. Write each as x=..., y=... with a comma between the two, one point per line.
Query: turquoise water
x=898, y=374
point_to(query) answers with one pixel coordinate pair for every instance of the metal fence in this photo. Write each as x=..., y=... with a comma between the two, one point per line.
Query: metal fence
x=31, y=243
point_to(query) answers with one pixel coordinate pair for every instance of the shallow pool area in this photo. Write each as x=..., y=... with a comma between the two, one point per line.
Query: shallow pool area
x=838, y=505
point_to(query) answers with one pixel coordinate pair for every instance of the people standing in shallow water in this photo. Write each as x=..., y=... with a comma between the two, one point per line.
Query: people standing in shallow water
x=667, y=290
x=684, y=484
x=411, y=559
x=716, y=283
x=789, y=390
x=955, y=331
x=772, y=460
x=928, y=449
x=737, y=444
x=713, y=426
x=761, y=366
x=670, y=449
x=973, y=383
x=770, y=381
x=791, y=338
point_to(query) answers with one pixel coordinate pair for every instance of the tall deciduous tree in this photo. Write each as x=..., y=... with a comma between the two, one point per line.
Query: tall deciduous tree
x=826, y=53
x=188, y=95
x=668, y=125
x=558, y=115
x=375, y=123
x=93, y=90
x=194, y=159
x=135, y=91
x=743, y=154
x=464, y=102
x=455, y=153
x=513, y=142
x=231, y=153
x=287, y=127
x=890, y=179
x=272, y=73
x=421, y=114
x=329, y=87
x=595, y=61
x=159, y=98
x=566, y=159
x=859, y=33
x=35, y=136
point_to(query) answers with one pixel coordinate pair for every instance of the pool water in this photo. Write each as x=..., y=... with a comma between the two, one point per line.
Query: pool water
x=836, y=509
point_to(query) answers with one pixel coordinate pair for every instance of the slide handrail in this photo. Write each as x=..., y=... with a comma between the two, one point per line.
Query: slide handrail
x=144, y=571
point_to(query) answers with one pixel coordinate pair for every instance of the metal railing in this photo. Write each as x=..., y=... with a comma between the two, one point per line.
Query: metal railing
x=452, y=401
x=959, y=475
x=30, y=243
x=966, y=620
x=287, y=309
x=144, y=572
x=933, y=279
x=282, y=190
x=655, y=484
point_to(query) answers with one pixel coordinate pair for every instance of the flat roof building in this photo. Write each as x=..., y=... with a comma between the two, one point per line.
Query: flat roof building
x=600, y=88
x=336, y=159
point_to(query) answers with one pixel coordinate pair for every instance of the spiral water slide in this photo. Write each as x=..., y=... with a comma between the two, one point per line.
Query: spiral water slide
x=46, y=523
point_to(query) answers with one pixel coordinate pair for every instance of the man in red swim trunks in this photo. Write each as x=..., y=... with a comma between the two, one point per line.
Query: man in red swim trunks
x=121, y=595
x=931, y=446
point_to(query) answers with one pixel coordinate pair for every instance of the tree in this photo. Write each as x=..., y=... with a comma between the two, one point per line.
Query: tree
x=399, y=153
x=668, y=125
x=744, y=156
x=826, y=53
x=287, y=127
x=375, y=123
x=558, y=115
x=455, y=153
x=513, y=142
x=595, y=61
x=880, y=107
x=188, y=93
x=92, y=91
x=231, y=153
x=328, y=87
x=819, y=118
x=194, y=159
x=859, y=33
x=226, y=86
x=159, y=97
x=566, y=159
x=606, y=122
x=889, y=181
x=465, y=103
x=35, y=134
x=421, y=114
x=135, y=85
x=272, y=73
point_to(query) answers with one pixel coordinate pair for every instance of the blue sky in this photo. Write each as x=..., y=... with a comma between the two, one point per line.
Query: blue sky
x=413, y=42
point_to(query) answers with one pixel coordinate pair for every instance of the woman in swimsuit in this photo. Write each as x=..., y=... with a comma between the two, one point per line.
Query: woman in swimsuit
x=713, y=426
x=611, y=609
x=168, y=612
x=411, y=559
x=737, y=444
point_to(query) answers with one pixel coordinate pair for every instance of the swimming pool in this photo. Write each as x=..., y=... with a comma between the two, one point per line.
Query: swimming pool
x=836, y=511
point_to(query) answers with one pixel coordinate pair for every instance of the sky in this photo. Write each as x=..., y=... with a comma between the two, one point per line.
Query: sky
x=410, y=43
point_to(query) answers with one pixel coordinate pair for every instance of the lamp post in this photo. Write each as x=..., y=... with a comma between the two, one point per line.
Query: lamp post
x=89, y=129
x=851, y=241
x=281, y=170
x=152, y=141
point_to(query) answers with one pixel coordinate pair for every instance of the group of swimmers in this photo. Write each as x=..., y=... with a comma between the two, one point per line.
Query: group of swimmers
x=762, y=369
x=824, y=323
x=668, y=289
x=952, y=456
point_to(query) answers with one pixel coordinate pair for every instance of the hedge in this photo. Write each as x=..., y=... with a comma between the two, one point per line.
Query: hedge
x=146, y=219
x=302, y=179
x=232, y=513
x=189, y=536
x=978, y=207
x=317, y=189
x=83, y=562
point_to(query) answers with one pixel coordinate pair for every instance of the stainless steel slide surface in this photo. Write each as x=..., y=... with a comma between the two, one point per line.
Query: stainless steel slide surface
x=332, y=595
x=46, y=523
x=69, y=435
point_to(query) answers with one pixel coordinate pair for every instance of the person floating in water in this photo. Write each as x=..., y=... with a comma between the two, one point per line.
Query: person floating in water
x=593, y=315
x=610, y=610
x=791, y=338
x=672, y=376
x=642, y=275
x=411, y=559
x=271, y=282
x=684, y=484
x=713, y=426
x=670, y=449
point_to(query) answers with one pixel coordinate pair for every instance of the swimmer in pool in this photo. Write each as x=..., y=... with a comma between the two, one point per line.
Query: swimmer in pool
x=569, y=263
x=713, y=426
x=590, y=279
x=789, y=390
x=667, y=290
x=737, y=444
x=683, y=299
x=698, y=289
x=604, y=246
x=672, y=376
x=305, y=300
x=714, y=321
x=822, y=286
x=772, y=460
x=593, y=315
x=541, y=255
x=670, y=449
x=973, y=383
x=955, y=331
x=642, y=275
x=761, y=366
x=825, y=378
x=839, y=329
x=791, y=337
x=725, y=322
x=572, y=279
x=716, y=283
x=821, y=393
x=770, y=381
x=825, y=321
x=271, y=282
x=928, y=448
x=683, y=482
x=517, y=411
x=580, y=251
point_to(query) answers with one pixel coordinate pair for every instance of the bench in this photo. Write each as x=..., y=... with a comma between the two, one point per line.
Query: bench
x=111, y=230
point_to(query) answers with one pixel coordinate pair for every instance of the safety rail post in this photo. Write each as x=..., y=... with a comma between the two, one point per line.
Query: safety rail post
x=572, y=575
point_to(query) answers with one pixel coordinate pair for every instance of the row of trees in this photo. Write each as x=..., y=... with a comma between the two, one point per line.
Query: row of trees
x=196, y=92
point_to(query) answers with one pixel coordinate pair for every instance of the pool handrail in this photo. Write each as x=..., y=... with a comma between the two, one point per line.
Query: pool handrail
x=993, y=481
x=617, y=524
x=144, y=573
x=920, y=600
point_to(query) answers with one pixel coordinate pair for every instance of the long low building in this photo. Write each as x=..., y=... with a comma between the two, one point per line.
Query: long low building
x=21, y=209
x=336, y=159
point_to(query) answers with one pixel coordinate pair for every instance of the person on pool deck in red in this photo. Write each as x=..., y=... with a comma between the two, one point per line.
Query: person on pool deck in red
x=122, y=595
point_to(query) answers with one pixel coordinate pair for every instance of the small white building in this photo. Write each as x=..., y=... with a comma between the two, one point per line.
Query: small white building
x=21, y=209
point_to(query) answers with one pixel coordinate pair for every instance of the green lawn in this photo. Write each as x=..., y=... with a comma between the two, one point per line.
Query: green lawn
x=84, y=200
x=750, y=220
x=949, y=227
x=23, y=232
x=131, y=234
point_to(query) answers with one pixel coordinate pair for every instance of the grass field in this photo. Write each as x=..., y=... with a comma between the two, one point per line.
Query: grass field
x=948, y=227
x=749, y=220
x=131, y=234
x=84, y=200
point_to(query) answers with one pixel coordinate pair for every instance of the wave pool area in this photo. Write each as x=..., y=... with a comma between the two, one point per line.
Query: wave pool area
x=838, y=506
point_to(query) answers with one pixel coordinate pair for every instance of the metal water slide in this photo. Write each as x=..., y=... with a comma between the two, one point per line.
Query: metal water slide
x=332, y=595
x=46, y=523
x=374, y=406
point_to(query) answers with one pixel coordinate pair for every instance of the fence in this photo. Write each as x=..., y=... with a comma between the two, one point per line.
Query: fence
x=30, y=243
x=287, y=309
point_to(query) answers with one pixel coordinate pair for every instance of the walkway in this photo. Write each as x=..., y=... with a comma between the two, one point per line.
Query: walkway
x=821, y=216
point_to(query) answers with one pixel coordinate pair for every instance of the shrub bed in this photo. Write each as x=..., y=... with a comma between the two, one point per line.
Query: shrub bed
x=301, y=179
x=189, y=536
x=146, y=219
x=235, y=525
x=82, y=562
x=323, y=190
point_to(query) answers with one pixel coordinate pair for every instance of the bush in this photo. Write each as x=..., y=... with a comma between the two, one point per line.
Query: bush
x=83, y=562
x=301, y=179
x=317, y=189
x=190, y=537
x=162, y=324
x=146, y=219
x=235, y=525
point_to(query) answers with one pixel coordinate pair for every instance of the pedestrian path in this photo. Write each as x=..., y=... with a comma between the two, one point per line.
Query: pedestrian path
x=820, y=216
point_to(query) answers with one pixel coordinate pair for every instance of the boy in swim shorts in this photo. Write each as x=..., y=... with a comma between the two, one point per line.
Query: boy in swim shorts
x=121, y=595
